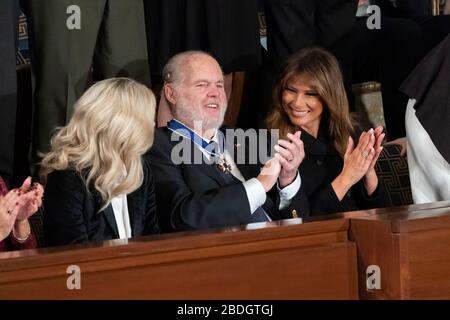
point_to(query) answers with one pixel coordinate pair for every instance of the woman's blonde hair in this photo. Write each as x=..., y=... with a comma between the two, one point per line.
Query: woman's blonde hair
x=111, y=128
x=319, y=69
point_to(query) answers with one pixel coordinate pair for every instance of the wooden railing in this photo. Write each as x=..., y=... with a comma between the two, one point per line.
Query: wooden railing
x=392, y=253
x=283, y=260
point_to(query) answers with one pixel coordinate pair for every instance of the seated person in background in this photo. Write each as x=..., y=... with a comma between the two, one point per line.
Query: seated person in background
x=16, y=206
x=427, y=126
x=337, y=174
x=200, y=195
x=97, y=184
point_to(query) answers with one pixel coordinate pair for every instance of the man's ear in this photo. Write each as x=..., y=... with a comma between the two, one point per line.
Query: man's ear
x=169, y=93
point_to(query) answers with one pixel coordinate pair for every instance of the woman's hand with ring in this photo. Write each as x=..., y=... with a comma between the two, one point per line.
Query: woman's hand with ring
x=291, y=154
x=371, y=178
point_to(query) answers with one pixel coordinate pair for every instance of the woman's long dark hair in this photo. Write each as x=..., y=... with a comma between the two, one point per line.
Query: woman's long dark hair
x=320, y=69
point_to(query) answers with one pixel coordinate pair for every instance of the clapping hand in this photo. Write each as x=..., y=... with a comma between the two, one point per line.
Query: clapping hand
x=371, y=178
x=357, y=161
x=379, y=137
x=18, y=205
x=8, y=213
x=30, y=199
x=291, y=154
x=270, y=173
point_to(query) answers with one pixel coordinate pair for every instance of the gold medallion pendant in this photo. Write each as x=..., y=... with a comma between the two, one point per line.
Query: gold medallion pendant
x=224, y=166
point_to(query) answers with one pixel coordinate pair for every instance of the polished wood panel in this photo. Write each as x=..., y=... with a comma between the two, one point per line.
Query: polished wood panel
x=278, y=260
x=234, y=101
x=411, y=247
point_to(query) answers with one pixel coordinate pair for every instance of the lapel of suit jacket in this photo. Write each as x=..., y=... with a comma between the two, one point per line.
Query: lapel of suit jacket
x=107, y=213
x=241, y=156
x=208, y=169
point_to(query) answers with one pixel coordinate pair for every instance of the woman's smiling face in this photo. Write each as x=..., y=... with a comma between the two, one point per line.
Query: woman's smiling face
x=302, y=104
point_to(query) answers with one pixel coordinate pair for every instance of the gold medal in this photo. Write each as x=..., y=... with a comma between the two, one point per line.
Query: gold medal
x=224, y=166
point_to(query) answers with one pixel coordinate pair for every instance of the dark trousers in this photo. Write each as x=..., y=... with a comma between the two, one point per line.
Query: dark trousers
x=292, y=25
x=111, y=39
x=388, y=55
x=9, y=12
x=434, y=29
x=227, y=29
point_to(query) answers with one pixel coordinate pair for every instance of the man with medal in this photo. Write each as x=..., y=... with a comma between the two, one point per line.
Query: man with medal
x=199, y=184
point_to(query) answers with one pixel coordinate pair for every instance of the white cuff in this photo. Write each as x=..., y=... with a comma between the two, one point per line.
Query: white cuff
x=256, y=194
x=288, y=192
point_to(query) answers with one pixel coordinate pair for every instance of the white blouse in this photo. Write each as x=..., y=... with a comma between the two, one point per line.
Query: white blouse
x=120, y=208
x=429, y=172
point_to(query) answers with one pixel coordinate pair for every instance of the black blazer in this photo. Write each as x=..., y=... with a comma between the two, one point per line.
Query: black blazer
x=9, y=18
x=228, y=30
x=71, y=212
x=295, y=24
x=407, y=9
x=322, y=164
x=196, y=196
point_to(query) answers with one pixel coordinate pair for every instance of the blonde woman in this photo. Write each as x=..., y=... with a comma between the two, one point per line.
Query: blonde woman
x=98, y=185
x=338, y=171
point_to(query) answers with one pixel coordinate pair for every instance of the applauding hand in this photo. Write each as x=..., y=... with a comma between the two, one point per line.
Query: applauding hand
x=269, y=173
x=371, y=178
x=291, y=154
x=356, y=163
x=30, y=199
x=17, y=206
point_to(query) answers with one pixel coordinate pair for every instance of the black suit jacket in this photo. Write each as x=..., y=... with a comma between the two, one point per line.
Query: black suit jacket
x=9, y=14
x=411, y=9
x=71, y=211
x=296, y=24
x=228, y=30
x=196, y=196
x=322, y=164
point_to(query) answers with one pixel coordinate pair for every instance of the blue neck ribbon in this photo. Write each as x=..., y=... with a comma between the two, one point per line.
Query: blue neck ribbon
x=211, y=147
